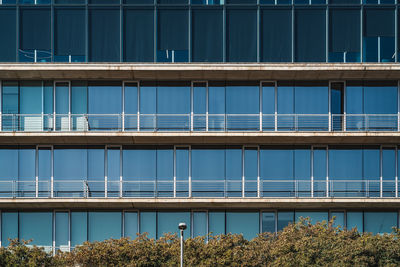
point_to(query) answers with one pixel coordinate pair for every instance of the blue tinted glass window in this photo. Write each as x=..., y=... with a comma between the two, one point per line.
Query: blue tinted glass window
x=199, y=98
x=79, y=228
x=173, y=30
x=131, y=227
x=131, y=98
x=173, y=98
x=148, y=223
x=355, y=220
x=311, y=98
x=268, y=222
x=105, y=98
x=380, y=98
x=245, y=223
x=139, y=163
x=284, y=219
x=95, y=160
x=138, y=35
x=26, y=164
x=388, y=163
x=251, y=163
x=79, y=98
x=242, y=98
x=182, y=163
x=7, y=28
x=314, y=216
x=62, y=98
x=345, y=163
x=285, y=98
x=167, y=222
x=216, y=222
x=276, y=35
x=371, y=162
x=9, y=163
x=10, y=102
x=44, y=163
x=214, y=159
x=276, y=163
x=207, y=37
x=104, y=225
x=354, y=98
x=148, y=98
x=62, y=230
x=233, y=163
x=30, y=99
x=241, y=35
x=48, y=97
x=339, y=219
x=344, y=35
x=379, y=222
x=70, y=163
x=113, y=163
x=35, y=34
x=199, y=223
x=319, y=164
x=302, y=164
x=69, y=39
x=104, y=37
x=165, y=163
x=37, y=226
x=268, y=98
x=9, y=227
x=310, y=25
x=216, y=99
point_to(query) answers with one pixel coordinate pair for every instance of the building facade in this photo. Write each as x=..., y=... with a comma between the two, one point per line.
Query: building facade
x=120, y=117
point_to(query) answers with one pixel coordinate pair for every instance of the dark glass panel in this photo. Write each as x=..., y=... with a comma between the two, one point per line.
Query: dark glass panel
x=8, y=31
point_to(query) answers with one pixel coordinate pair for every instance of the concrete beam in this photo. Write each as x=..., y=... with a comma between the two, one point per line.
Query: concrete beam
x=200, y=71
x=204, y=203
x=19, y=138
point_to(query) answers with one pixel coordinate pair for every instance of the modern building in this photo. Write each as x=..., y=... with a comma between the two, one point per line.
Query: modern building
x=241, y=116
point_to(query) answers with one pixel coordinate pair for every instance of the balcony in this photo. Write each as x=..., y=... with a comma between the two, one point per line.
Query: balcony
x=200, y=189
x=200, y=122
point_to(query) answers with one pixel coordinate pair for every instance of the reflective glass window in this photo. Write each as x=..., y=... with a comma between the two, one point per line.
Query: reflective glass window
x=9, y=227
x=131, y=227
x=276, y=163
x=276, y=35
x=268, y=222
x=251, y=171
x=207, y=35
x=104, y=225
x=242, y=98
x=8, y=28
x=310, y=25
x=314, y=216
x=338, y=217
x=379, y=222
x=148, y=223
x=173, y=30
x=10, y=98
x=311, y=98
x=168, y=221
x=30, y=99
x=79, y=98
x=62, y=230
x=344, y=35
x=284, y=219
x=355, y=220
x=148, y=99
x=216, y=222
x=245, y=223
x=241, y=30
x=9, y=163
x=345, y=163
x=26, y=166
x=104, y=37
x=173, y=98
x=138, y=35
x=139, y=163
x=37, y=226
x=199, y=223
x=70, y=163
x=44, y=163
x=79, y=228
x=105, y=97
x=69, y=35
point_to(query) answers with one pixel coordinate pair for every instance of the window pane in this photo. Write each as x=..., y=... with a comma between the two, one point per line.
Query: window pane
x=104, y=37
x=167, y=222
x=113, y=163
x=319, y=164
x=355, y=220
x=388, y=163
x=48, y=97
x=96, y=163
x=214, y=159
x=148, y=223
x=62, y=98
x=310, y=25
x=344, y=35
x=276, y=163
x=79, y=98
x=380, y=222
x=285, y=98
x=79, y=228
x=246, y=223
x=302, y=164
x=311, y=98
x=371, y=161
x=37, y=226
x=380, y=98
x=70, y=163
x=345, y=164
x=216, y=98
x=44, y=163
x=104, y=225
x=10, y=96
x=105, y=98
x=9, y=163
x=199, y=224
x=172, y=36
x=233, y=163
x=339, y=219
x=35, y=34
x=131, y=227
x=26, y=166
x=276, y=35
x=173, y=98
x=314, y=216
x=9, y=227
x=69, y=31
x=165, y=163
x=207, y=37
x=241, y=35
x=30, y=99
x=216, y=222
x=131, y=98
x=148, y=98
x=139, y=163
x=268, y=222
x=284, y=219
x=62, y=230
x=138, y=35
x=7, y=28
x=242, y=98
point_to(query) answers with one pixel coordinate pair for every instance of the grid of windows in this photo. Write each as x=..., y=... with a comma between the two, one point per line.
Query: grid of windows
x=65, y=229
x=199, y=171
x=200, y=31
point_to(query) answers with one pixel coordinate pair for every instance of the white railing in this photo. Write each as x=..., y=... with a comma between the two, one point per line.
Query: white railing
x=218, y=188
x=200, y=122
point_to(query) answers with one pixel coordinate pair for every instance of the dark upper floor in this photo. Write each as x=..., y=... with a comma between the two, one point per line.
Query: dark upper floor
x=199, y=31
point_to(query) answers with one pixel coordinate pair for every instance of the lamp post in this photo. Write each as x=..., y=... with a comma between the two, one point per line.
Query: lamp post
x=182, y=226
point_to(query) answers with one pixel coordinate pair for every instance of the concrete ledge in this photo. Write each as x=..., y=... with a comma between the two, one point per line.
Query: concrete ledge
x=204, y=203
x=200, y=138
x=201, y=71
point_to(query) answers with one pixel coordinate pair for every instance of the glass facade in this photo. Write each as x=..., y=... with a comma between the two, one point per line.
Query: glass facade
x=199, y=171
x=200, y=106
x=199, y=31
x=66, y=229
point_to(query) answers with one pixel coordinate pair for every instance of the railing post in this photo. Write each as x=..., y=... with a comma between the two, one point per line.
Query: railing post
x=380, y=188
x=276, y=121
x=330, y=122
x=296, y=122
x=138, y=121
x=51, y=188
x=312, y=187
x=36, y=187
x=344, y=122
x=191, y=121
x=327, y=187
x=398, y=121
x=396, y=187
x=366, y=122
x=123, y=121
x=54, y=121
x=69, y=121
x=261, y=122
x=120, y=188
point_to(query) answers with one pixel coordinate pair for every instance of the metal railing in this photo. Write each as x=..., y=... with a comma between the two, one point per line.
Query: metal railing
x=217, y=188
x=200, y=122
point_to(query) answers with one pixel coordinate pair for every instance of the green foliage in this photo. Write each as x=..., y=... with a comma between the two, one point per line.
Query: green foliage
x=300, y=244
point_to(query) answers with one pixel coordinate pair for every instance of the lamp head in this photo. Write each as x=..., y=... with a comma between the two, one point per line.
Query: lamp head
x=182, y=226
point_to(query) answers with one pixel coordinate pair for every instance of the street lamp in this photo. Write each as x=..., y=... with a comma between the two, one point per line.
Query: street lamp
x=182, y=226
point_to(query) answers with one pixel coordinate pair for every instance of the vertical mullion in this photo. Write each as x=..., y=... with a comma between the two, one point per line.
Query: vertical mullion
x=190, y=34
x=37, y=171
x=258, y=31
x=224, y=34
x=361, y=34
x=121, y=46
x=293, y=34
x=174, y=164
x=87, y=32
x=243, y=173
x=120, y=172
x=312, y=171
x=105, y=171
x=52, y=29
x=381, y=171
x=155, y=28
